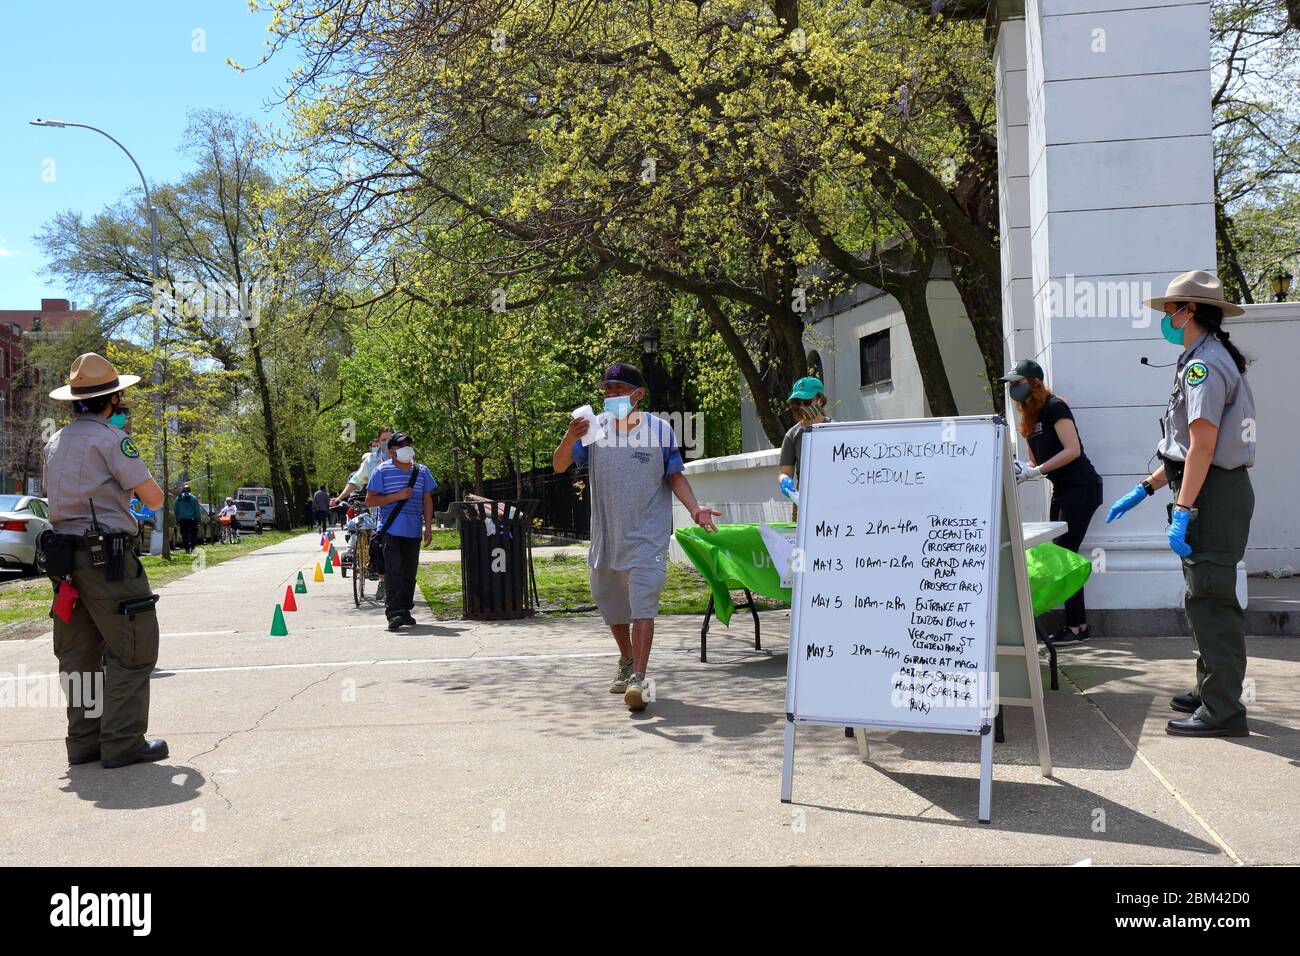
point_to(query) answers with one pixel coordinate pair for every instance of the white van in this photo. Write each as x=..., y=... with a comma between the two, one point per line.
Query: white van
x=264, y=504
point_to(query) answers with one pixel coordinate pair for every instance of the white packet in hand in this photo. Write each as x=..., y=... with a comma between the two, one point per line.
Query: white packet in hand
x=596, y=429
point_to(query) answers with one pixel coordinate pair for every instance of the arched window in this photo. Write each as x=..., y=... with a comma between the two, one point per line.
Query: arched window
x=815, y=365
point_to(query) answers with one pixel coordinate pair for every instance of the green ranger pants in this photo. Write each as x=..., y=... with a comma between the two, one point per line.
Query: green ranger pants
x=1218, y=540
x=101, y=649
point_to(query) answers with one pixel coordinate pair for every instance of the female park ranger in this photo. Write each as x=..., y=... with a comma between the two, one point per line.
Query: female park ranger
x=1208, y=443
x=1056, y=453
x=108, y=635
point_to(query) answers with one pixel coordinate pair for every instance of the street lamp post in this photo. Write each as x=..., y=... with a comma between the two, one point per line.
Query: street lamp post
x=158, y=463
x=1281, y=282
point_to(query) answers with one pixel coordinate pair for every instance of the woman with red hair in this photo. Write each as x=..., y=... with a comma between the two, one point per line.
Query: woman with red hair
x=1056, y=453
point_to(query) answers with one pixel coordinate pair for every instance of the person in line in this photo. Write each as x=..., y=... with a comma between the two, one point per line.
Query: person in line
x=634, y=471
x=105, y=623
x=1207, y=449
x=321, y=503
x=376, y=456
x=808, y=406
x=188, y=514
x=1056, y=453
x=403, y=492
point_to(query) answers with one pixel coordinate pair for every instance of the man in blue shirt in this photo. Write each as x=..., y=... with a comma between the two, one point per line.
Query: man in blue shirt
x=389, y=488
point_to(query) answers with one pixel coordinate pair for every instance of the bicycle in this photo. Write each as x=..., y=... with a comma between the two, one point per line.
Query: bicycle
x=357, y=531
x=229, y=530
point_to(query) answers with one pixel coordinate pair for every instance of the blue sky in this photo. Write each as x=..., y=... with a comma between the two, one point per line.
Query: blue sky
x=130, y=68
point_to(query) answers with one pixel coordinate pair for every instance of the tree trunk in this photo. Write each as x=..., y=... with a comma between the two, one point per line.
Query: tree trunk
x=769, y=387
x=299, y=486
x=268, y=422
x=925, y=345
x=982, y=299
x=478, y=475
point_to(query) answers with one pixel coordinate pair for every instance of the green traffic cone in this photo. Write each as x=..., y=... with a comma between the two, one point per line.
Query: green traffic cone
x=329, y=568
x=278, y=628
x=301, y=586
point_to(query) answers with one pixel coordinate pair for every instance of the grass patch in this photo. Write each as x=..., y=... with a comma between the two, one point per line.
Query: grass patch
x=30, y=602
x=563, y=587
x=448, y=539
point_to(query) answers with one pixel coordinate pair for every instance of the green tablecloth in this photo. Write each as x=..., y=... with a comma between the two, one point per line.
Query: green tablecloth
x=735, y=557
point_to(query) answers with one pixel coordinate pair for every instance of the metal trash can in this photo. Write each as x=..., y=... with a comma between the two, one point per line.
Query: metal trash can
x=496, y=558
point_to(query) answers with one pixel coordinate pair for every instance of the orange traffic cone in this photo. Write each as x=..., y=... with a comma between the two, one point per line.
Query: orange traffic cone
x=289, y=603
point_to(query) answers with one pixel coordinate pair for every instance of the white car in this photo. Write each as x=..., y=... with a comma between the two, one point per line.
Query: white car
x=24, y=523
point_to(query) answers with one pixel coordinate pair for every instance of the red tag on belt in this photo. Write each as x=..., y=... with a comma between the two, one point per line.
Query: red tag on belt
x=65, y=601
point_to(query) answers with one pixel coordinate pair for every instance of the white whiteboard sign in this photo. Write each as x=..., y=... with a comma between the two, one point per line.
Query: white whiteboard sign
x=895, y=591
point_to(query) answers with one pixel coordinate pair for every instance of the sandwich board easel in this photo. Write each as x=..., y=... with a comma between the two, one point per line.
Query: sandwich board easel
x=968, y=480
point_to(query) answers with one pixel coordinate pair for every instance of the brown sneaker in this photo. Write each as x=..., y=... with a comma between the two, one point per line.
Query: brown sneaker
x=637, y=695
x=621, y=678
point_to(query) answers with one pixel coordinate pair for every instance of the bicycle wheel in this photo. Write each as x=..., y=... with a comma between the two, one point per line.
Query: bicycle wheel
x=360, y=558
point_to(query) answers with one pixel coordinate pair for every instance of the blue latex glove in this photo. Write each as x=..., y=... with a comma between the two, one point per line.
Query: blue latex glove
x=788, y=489
x=1126, y=504
x=1178, y=533
x=145, y=512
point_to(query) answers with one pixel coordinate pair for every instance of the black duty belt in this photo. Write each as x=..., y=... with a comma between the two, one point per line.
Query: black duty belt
x=1173, y=469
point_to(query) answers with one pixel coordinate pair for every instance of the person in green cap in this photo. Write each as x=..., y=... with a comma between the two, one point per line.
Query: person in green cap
x=808, y=405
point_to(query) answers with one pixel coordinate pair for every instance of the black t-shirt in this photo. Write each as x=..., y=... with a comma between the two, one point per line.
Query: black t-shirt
x=1045, y=444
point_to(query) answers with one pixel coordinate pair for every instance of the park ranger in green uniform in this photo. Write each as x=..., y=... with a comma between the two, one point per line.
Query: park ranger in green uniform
x=1208, y=445
x=110, y=637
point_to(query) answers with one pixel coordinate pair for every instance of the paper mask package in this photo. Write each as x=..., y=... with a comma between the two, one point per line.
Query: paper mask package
x=596, y=429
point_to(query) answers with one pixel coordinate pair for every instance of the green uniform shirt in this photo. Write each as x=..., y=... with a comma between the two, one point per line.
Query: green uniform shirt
x=89, y=459
x=1209, y=386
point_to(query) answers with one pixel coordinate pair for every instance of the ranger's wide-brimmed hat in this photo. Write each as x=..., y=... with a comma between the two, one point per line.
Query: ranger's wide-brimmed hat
x=1197, y=286
x=91, y=376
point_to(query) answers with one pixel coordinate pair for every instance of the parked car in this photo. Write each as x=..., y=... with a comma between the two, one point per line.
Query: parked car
x=24, y=524
x=249, y=518
x=265, y=502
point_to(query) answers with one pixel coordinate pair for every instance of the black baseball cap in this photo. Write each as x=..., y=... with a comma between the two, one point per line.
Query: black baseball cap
x=1025, y=368
x=399, y=439
x=624, y=374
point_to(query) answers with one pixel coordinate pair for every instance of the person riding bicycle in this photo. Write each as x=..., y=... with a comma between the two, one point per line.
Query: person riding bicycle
x=229, y=518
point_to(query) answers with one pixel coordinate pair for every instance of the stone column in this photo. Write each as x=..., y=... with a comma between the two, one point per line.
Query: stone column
x=1120, y=199
x=1020, y=334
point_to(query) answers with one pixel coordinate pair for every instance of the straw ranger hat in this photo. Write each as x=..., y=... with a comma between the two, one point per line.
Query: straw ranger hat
x=1196, y=286
x=92, y=376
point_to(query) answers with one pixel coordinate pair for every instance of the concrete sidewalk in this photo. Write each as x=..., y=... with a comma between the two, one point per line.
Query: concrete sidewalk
x=498, y=743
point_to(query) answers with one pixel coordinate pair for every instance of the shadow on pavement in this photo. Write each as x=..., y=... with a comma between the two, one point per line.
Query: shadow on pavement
x=136, y=787
x=1051, y=809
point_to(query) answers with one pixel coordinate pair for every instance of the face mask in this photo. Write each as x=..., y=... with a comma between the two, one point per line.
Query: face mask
x=405, y=454
x=620, y=406
x=1019, y=391
x=118, y=420
x=1174, y=336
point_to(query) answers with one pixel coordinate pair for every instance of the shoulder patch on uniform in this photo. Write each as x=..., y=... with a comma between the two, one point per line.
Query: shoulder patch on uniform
x=129, y=449
x=1197, y=373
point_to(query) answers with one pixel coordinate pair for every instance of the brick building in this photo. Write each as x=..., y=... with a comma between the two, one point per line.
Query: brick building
x=23, y=390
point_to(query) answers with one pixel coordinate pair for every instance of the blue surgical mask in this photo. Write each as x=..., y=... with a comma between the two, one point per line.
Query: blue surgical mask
x=1174, y=336
x=118, y=420
x=619, y=407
